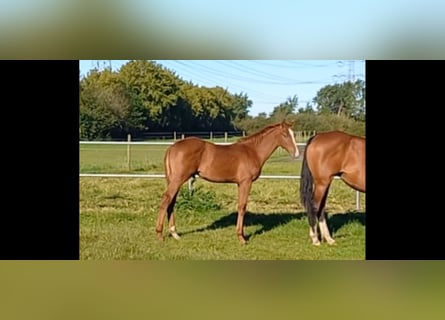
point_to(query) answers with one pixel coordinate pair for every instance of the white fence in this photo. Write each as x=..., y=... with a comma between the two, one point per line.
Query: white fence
x=128, y=143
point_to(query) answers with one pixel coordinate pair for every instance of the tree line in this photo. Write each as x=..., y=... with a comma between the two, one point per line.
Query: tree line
x=143, y=96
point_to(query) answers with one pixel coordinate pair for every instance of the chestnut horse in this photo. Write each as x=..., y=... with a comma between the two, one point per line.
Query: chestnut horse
x=240, y=163
x=329, y=154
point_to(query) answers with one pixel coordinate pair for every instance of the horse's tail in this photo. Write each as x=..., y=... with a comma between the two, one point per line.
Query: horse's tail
x=167, y=167
x=306, y=184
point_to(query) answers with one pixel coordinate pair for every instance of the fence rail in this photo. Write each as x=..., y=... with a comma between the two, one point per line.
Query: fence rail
x=212, y=135
x=164, y=143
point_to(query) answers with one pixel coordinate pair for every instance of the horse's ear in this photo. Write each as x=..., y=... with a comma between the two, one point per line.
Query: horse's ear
x=289, y=123
x=284, y=125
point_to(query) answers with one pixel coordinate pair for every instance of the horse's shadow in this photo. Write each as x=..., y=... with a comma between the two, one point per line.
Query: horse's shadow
x=267, y=222
x=274, y=220
x=337, y=220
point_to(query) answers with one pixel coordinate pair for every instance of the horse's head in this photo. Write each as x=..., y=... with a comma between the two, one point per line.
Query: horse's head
x=287, y=139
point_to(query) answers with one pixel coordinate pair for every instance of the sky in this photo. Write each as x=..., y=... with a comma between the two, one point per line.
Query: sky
x=266, y=82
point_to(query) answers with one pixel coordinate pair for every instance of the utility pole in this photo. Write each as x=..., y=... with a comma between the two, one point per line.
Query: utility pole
x=351, y=75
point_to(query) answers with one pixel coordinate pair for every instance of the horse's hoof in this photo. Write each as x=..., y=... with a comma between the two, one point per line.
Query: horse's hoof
x=159, y=236
x=316, y=243
x=242, y=240
x=175, y=235
x=331, y=242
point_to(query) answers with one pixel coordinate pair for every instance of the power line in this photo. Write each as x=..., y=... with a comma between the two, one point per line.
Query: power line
x=235, y=72
x=201, y=72
x=351, y=71
x=260, y=79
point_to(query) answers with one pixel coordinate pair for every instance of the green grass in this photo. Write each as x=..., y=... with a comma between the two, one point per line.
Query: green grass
x=117, y=218
x=105, y=158
x=118, y=215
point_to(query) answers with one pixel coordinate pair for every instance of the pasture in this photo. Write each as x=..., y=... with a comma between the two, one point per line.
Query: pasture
x=118, y=215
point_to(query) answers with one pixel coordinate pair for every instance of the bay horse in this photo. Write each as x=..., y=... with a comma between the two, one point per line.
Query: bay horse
x=329, y=154
x=240, y=163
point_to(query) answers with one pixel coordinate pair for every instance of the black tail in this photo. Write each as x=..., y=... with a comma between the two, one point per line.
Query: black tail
x=306, y=184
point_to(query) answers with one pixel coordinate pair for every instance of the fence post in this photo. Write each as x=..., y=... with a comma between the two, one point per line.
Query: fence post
x=128, y=152
x=211, y=135
x=225, y=136
x=174, y=135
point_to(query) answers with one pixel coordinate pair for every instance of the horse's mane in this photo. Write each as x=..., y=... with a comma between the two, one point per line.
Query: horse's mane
x=258, y=136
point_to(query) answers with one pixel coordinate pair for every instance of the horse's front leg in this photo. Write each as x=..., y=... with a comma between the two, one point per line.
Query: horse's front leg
x=243, y=194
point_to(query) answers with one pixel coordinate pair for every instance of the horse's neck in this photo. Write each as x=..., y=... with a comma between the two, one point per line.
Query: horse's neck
x=265, y=148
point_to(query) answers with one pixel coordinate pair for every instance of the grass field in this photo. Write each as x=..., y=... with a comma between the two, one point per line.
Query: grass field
x=118, y=215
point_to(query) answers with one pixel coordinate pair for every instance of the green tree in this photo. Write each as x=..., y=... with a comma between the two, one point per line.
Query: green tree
x=241, y=106
x=212, y=108
x=328, y=122
x=253, y=124
x=107, y=108
x=307, y=109
x=346, y=99
x=155, y=89
x=143, y=94
x=96, y=116
x=284, y=109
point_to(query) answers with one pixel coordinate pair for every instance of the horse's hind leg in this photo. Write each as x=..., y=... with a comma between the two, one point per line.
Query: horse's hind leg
x=321, y=188
x=313, y=221
x=324, y=230
x=313, y=232
x=167, y=204
x=171, y=219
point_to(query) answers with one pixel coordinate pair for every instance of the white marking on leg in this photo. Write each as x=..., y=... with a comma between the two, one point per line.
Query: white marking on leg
x=314, y=236
x=297, y=152
x=325, y=231
x=173, y=233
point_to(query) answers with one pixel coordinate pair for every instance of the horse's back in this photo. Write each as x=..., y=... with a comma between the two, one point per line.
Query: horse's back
x=327, y=145
x=183, y=157
x=338, y=153
x=336, y=144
